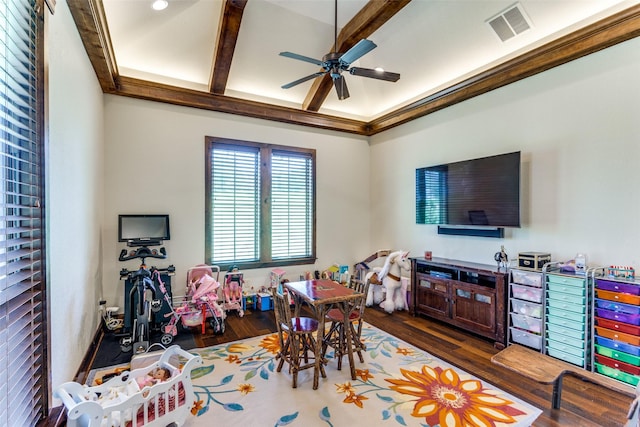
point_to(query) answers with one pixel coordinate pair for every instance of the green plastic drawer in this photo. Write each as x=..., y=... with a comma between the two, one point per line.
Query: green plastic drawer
x=568, y=298
x=563, y=305
x=564, y=356
x=565, y=348
x=566, y=331
x=569, y=315
x=619, y=375
x=565, y=340
x=564, y=280
x=566, y=289
x=566, y=323
x=618, y=355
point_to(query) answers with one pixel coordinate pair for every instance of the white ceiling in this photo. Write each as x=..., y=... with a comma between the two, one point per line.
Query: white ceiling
x=431, y=43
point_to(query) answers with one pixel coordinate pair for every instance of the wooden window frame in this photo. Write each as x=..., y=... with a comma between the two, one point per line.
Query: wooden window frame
x=265, y=259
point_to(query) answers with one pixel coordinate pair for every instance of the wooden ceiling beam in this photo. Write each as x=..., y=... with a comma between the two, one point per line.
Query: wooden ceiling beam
x=91, y=22
x=151, y=91
x=228, y=30
x=371, y=17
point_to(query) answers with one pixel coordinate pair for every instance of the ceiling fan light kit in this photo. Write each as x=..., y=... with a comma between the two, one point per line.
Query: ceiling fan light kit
x=334, y=63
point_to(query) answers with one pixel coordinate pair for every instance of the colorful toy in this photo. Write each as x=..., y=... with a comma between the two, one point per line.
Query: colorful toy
x=232, y=290
x=386, y=284
x=199, y=304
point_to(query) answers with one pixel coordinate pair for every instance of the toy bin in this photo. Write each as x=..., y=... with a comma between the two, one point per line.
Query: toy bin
x=526, y=323
x=264, y=302
x=526, y=278
x=526, y=293
x=249, y=301
x=526, y=308
x=526, y=338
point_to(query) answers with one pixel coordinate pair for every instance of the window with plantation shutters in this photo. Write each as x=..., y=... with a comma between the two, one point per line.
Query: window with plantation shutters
x=260, y=204
x=23, y=387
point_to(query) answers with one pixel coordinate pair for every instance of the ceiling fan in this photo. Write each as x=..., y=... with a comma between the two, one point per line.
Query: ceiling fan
x=334, y=63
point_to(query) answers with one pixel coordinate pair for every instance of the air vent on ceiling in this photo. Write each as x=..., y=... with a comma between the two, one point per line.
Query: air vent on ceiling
x=510, y=22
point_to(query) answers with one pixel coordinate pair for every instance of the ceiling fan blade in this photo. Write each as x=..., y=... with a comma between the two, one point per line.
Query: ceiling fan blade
x=361, y=48
x=301, y=58
x=302, y=80
x=375, y=74
x=341, y=87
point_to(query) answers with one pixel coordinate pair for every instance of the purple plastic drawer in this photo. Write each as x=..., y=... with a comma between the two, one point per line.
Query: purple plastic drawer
x=609, y=285
x=632, y=319
x=617, y=306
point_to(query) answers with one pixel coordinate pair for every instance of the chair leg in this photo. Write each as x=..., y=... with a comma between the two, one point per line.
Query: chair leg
x=294, y=360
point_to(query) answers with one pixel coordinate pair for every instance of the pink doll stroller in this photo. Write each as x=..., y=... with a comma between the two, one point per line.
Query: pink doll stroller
x=199, y=304
x=232, y=290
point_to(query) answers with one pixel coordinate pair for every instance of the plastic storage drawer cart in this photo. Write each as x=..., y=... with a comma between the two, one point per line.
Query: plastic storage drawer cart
x=568, y=319
x=617, y=329
x=526, y=307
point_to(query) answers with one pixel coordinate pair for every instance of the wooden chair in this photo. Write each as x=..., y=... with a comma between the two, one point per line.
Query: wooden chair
x=336, y=337
x=296, y=336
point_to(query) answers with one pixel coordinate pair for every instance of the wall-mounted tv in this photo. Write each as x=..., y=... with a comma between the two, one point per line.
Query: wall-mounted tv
x=143, y=228
x=478, y=192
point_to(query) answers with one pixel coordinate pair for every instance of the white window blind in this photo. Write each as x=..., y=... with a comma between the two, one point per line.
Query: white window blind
x=23, y=386
x=291, y=205
x=235, y=183
x=260, y=204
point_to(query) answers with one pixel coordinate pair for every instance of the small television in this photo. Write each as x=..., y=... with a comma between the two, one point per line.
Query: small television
x=483, y=192
x=140, y=229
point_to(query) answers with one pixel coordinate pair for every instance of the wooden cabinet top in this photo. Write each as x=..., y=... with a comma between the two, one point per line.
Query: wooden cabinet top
x=463, y=265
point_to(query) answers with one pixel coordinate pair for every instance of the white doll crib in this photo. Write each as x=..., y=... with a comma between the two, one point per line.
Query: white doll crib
x=119, y=402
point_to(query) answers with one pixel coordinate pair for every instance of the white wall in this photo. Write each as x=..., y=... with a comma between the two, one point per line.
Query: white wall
x=75, y=196
x=577, y=127
x=154, y=160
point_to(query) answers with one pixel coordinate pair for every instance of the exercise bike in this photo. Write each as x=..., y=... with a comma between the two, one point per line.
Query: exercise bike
x=145, y=297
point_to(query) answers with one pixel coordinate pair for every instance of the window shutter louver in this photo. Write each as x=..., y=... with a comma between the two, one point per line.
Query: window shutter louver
x=291, y=205
x=22, y=337
x=235, y=183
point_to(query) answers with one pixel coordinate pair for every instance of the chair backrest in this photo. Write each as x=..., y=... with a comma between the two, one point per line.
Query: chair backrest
x=281, y=310
x=360, y=287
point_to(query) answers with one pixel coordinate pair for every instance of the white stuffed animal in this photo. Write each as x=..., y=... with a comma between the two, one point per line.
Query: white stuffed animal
x=385, y=285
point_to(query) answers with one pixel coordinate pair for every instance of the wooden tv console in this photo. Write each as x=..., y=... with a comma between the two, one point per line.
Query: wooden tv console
x=464, y=294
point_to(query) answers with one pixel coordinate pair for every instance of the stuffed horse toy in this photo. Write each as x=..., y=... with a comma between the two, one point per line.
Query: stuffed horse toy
x=385, y=283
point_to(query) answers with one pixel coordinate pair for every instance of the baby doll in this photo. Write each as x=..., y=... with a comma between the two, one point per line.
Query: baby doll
x=153, y=377
x=233, y=290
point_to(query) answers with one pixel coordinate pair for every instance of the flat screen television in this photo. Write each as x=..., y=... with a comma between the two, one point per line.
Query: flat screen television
x=143, y=228
x=478, y=192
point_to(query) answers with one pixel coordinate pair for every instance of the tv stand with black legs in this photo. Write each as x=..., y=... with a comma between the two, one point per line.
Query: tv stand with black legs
x=464, y=294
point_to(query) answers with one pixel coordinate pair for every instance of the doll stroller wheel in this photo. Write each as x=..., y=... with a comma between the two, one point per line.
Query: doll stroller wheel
x=126, y=344
x=166, y=339
x=217, y=324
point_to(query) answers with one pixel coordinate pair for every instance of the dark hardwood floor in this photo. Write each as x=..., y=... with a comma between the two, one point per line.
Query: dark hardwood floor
x=583, y=403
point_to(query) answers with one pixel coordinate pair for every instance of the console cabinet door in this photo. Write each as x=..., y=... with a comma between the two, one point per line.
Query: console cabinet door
x=432, y=296
x=474, y=306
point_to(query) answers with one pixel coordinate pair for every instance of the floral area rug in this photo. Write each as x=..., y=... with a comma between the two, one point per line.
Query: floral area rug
x=398, y=385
